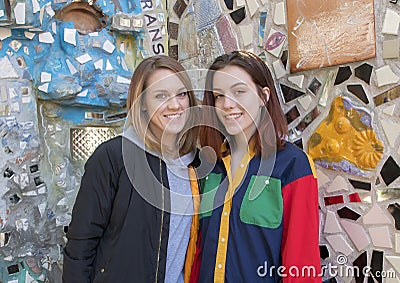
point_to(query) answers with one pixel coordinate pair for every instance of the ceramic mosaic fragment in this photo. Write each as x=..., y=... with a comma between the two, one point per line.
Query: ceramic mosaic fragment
x=345, y=140
x=343, y=74
x=261, y=28
x=330, y=200
x=322, y=178
x=380, y=237
x=390, y=49
x=391, y=129
x=331, y=223
x=356, y=233
x=341, y=32
x=387, y=96
x=314, y=86
x=394, y=261
x=275, y=42
x=279, y=15
x=290, y=93
x=305, y=101
x=339, y=244
x=376, y=216
x=292, y=114
x=360, y=185
x=385, y=76
x=391, y=22
x=360, y=262
x=358, y=91
x=323, y=251
x=347, y=213
x=363, y=72
x=278, y=69
x=390, y=171
x=297, y=80
x=338, y=184
x=394, y=210
x=239, y=15
x=389, y=110
x=397, y=242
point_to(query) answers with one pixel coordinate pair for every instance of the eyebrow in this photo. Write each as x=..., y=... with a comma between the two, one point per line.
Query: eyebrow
x=232, y=86
x=164, y=90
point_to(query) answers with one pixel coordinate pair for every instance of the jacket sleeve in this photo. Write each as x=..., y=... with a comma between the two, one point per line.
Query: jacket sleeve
x=300, y=240
x=90, y=216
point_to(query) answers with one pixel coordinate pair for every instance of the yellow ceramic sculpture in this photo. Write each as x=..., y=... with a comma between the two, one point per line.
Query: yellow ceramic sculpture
x=345, y=139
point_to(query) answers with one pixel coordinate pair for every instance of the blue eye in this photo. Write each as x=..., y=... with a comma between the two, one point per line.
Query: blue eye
x=182, y=94
x=161, y=96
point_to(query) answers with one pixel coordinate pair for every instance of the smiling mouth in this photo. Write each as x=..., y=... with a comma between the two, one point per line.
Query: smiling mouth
x=173, y=116
x=233, y=116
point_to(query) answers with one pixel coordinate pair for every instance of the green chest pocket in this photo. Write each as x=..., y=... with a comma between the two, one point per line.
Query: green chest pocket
x=262, y=204
x=209, y=187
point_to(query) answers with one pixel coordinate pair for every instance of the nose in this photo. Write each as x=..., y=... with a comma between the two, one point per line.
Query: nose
x=173, y=103
x=228, y=102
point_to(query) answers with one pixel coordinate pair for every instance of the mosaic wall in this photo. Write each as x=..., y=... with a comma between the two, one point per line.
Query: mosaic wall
x=64, y=74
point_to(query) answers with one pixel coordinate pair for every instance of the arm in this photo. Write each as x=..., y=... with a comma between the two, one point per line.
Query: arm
x=90, y=216
x=300, y=240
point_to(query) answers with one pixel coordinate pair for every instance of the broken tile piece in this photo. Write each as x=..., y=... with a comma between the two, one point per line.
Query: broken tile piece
x=19, y=13
x=280, y=14
x=385, y=76
x=36, y=6
x=70, y=36
x=390, y=49
x=297, y=80
x=380, y=237
x=4, y=33
x=339, y=244
x=7, y=70
x=333, y=200
x=261, y=28
x=279, y=69
x=229, y=4
x=247, y=34
x=363, y=72
x=322, y=178
x=314, y=86
x=275, y=42
x=253, y=7
x=357, y=234
x=347, y=213
x=108, y=46
x=99, y=64
x=109, y=67
x=338, y=184
x=240, y=3
x=331, y=223
x=123, y=80
x=394, y=261
x=238, y=15
x=292, y=114
x=46, y=37
x=289, y=93
x=390, y=171
x=305, y=102
x=376, y=216
x=342, y=75
x=284, y=57
x=45, y=77
x=389, y=110
x=394, y=210
x=44, y=87
x=391, y=129
x=323, y=251
x=391, y=22
x=397, y=242
x=393, y=277
x=354, y=197
x=327, y=88
x=358, y=91
x=83, y=58
x=71, y=67
x=29, y=35
x=360, y=185
x=361, y=263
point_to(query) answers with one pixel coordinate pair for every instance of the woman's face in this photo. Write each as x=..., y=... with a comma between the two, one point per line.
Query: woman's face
x=236, y=99
x=165, y=101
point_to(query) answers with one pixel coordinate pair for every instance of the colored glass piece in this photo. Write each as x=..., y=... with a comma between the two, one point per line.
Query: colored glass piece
x=333, y=200
x=348, y=213
x=360, y=262
x=363, y=72
x=343, y=74
x=358, y=91
x=390, y=171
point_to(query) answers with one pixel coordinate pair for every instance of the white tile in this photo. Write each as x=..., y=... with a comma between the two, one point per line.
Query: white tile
x=83, y=58
x=380, y=237
x=339, y=244
x=1, y=13
x=280, y=14
x=35, y=6
x=94, y=34
x=338, y=184
x=99, y=64
x=109, y=67
x=29, y=35
x=44, y=87
x=7, y=70
x=331, y=223
x=29, y=278
x=19, y=13
x=279, y=69
x=376, y=216
x=50, y=10
x=357, y=234
x=397, y=242
x=305, y=102
x=5, y=33
x=322, y=178
x=385, y=76
x=390, y=49
x=46, y=37
x=240, y=3
x=71, y=67
x=393, y=277
x=122, y=47
x=123, y=80
x=54, y=27
x=70, y=36
x=83, y=93
x=394, y=261
x=108, y=46
x=277, y=51
x=297, y=80
x=391, y=129
x=247, y=34
x=45, y=77
x=389, y=110
x=391, y=22
x=253, y=7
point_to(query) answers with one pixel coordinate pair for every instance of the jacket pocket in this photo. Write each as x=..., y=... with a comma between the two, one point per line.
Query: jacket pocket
x=262, y=204
x=209, y=186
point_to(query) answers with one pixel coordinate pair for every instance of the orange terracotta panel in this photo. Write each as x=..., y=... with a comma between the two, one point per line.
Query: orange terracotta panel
x=329, y=32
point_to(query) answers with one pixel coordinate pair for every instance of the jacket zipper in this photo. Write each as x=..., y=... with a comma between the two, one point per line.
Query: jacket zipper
x=162, y=221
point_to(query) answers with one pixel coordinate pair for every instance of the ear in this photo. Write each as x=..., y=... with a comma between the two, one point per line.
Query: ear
x=266, y=91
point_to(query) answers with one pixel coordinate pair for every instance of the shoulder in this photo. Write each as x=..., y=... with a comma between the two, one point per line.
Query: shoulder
x=294, y=163
x=108, y=152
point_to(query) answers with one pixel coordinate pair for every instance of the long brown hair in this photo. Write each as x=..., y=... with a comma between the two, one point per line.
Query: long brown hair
x=140, y=121
x=261, y=75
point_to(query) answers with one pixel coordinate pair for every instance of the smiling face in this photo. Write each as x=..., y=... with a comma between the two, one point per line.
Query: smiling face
x=237, y=101
x=165, y=101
